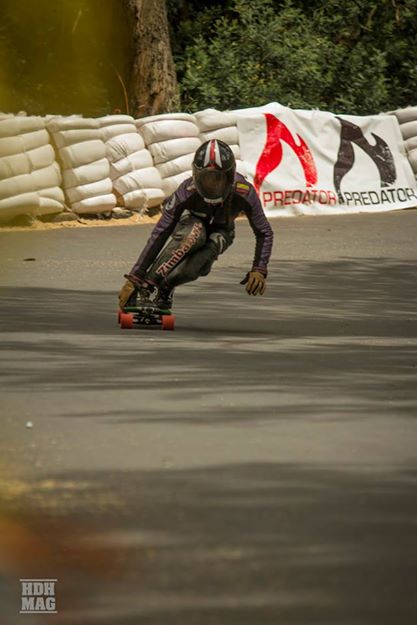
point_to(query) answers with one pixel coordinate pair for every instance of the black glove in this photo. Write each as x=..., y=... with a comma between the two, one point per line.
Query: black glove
x=126, y=292
x=255, y=283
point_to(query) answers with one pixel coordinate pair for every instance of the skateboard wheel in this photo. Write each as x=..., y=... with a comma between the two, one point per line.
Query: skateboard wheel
x=126, y=320
x=168, y=322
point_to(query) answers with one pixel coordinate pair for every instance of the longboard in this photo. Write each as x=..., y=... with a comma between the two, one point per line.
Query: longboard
x=146, y=316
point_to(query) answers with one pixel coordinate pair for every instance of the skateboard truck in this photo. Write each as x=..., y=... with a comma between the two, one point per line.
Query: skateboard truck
x=146, y=316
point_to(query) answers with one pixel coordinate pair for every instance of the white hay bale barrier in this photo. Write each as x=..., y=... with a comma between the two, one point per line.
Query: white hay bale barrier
x=236, y=150
x=412, y=158
x=26, y=162
x=176, y=165
x=4, y=116
x=92, y=189
x=51, y=201
x=86, y=170
x=26, y=183
x=141, y=199
x=163, y=130
x=168, y=150
x=48, y=206
x=408, y=130
x=47, y=177
x=148, y=178
x=79, y=154
x=53, y=193
x=30, y=177
x=123, y=145
x=18, y=125
x=138, y=160
x=408, y=114
x=86, y=173
x=14, y=165
x=229, y=135
x=131, y=164
x=115, y=130
x=241, y=168
x=36, y=203
x=169, y=185
x=95, y=205
x=212, y=119
x=42, y=157
x=23, y=143
x=65, y=138
x=165, y=116
x=22, y=204
x=73, y=122
x=111, y=120
x=410, y=144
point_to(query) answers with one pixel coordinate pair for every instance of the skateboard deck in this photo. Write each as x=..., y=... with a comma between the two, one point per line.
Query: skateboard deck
x=146, y=316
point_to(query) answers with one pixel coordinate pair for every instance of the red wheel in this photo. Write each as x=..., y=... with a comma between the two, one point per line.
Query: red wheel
x=126, y=320
x=168, y=322
x=119, y=314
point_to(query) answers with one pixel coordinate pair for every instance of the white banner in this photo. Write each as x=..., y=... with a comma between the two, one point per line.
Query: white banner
x=317, y=163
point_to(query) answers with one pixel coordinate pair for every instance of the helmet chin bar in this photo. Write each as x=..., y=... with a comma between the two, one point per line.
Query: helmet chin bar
x=217, y=200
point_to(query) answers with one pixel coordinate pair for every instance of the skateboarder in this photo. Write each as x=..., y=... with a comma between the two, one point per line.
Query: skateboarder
x=198, y=219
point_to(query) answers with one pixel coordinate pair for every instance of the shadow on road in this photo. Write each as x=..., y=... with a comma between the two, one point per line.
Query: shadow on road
x=324, y=332
x=250, y=543
x=244, y=544
x=359, y=292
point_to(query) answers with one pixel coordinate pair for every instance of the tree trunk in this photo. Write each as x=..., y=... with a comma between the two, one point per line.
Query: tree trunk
x=152, y=88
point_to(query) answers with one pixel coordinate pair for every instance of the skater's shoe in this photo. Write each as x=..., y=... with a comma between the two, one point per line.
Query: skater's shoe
x=164, y=297
x=144, y=295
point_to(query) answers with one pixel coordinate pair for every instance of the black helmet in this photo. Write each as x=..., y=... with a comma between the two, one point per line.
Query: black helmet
x=214, y=169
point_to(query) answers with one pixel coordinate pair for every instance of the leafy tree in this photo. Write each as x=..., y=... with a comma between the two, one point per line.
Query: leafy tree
x=353, y=57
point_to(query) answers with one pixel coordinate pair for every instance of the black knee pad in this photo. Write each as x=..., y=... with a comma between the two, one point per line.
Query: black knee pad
x=221, y=240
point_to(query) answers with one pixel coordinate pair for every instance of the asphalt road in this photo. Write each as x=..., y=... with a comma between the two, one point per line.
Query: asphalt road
x=256, y=466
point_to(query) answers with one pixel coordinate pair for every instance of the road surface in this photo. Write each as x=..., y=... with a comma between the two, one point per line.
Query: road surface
x=256, y=466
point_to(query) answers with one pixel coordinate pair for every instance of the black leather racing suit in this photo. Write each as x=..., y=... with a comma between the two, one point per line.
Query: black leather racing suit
x=200, y=233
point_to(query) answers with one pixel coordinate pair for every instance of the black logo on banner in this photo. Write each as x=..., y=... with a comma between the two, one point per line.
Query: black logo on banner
x=379, y=153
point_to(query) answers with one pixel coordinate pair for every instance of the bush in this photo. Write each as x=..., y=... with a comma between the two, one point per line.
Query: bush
x=353, y=58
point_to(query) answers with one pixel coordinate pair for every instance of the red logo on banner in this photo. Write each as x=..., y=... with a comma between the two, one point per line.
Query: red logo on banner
x=271, y=156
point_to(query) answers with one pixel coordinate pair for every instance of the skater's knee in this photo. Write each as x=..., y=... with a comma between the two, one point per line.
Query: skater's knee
x=219, y=241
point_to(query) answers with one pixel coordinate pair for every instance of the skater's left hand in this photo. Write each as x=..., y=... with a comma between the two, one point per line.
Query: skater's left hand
x=126, y=292
x=255, y=283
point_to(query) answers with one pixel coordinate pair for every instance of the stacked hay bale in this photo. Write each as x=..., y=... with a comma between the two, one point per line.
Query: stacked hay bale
x=172, y=140
x=221, y=125
x=30, y=177
x=407, y=118
x=85, y=169
x=136, y=182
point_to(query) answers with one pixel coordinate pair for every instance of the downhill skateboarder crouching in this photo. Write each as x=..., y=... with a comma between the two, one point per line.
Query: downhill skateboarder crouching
x=198, y=219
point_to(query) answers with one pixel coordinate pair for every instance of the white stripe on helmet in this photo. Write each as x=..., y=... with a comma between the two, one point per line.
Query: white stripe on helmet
x=212, y=149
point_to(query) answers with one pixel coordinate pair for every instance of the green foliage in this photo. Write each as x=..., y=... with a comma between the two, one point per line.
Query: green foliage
x=348, y=57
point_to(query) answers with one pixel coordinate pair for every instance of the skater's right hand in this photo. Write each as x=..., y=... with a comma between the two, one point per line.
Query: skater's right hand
x=126, y=292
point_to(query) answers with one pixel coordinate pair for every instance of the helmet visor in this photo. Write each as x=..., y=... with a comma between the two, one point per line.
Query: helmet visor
x=212, y=184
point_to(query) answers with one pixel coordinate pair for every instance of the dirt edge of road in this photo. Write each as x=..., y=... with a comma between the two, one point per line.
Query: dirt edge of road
x=136, y=219
x=82, y=222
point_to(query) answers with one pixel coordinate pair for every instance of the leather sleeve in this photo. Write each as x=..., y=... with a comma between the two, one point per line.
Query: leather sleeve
x=262, y=231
